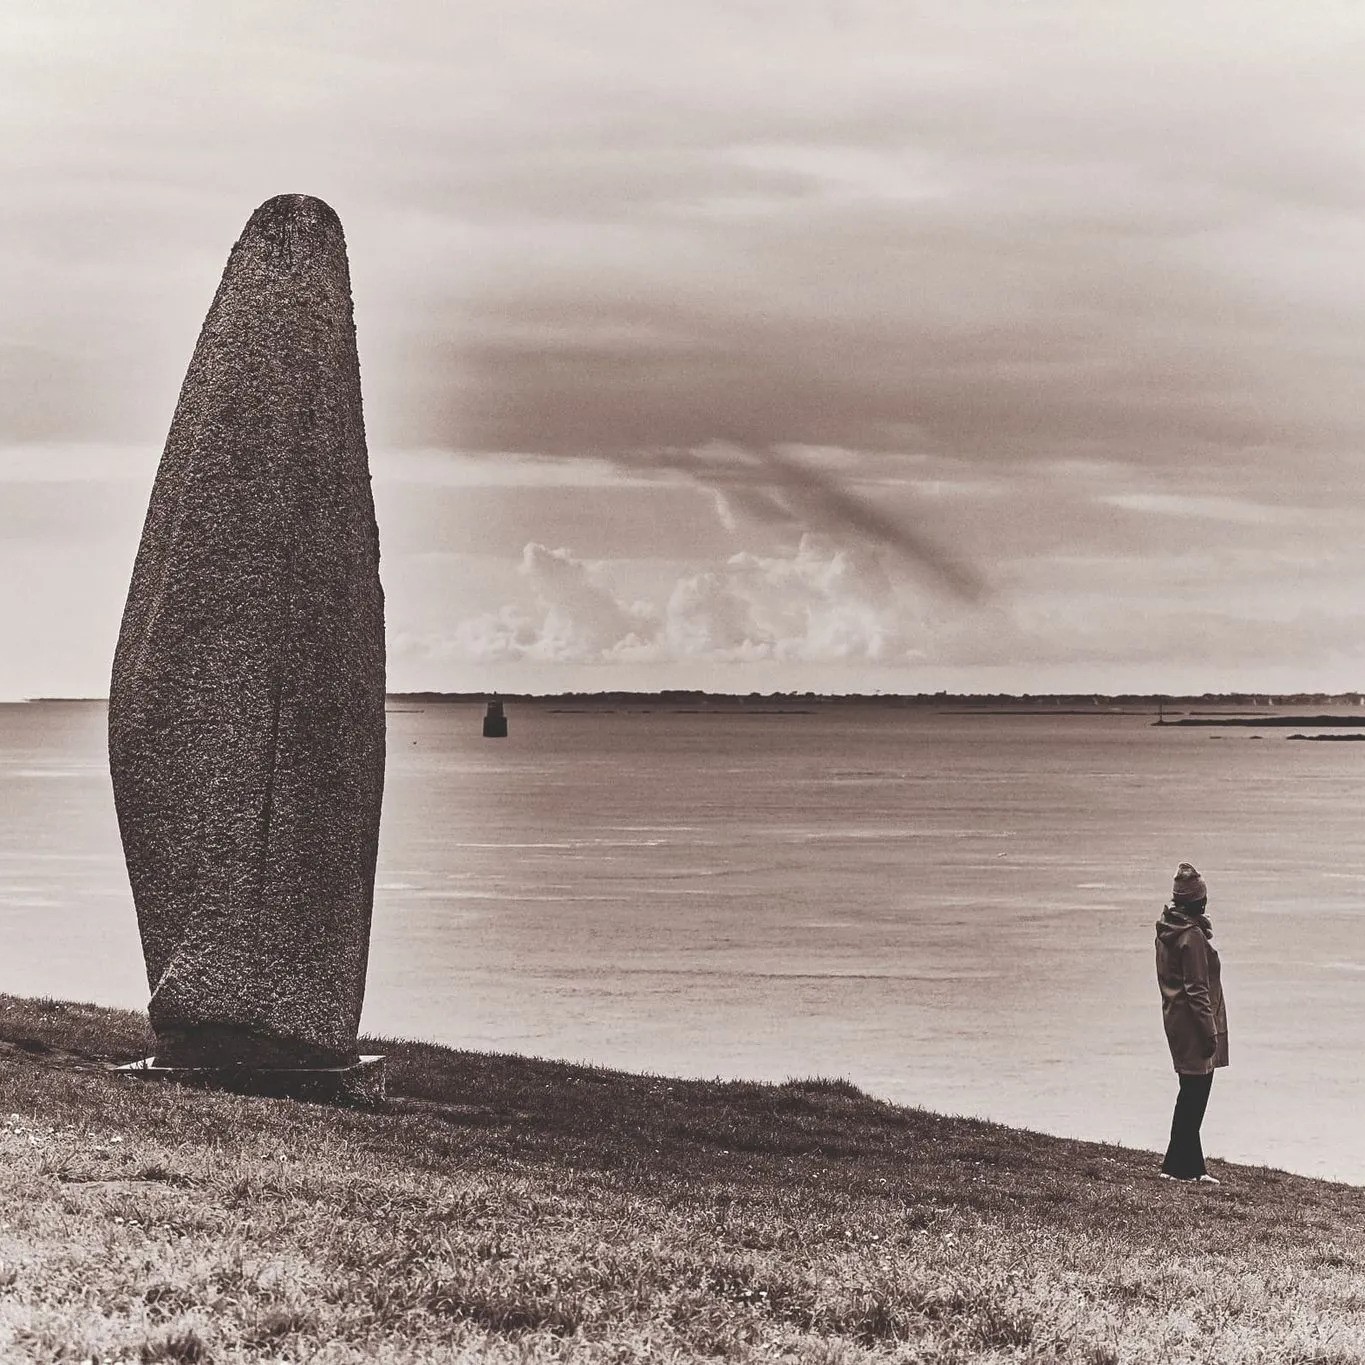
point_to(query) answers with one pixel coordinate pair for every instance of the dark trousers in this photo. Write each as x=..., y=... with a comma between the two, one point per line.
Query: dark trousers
x=1185, y=1155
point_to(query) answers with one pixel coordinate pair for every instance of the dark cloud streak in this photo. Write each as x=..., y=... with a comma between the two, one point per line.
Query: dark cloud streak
x=778, y=489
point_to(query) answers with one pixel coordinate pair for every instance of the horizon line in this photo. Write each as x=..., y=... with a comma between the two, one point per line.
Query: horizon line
x=668, y=693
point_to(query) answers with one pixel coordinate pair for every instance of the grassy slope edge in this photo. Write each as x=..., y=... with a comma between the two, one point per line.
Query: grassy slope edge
x=514, y=1209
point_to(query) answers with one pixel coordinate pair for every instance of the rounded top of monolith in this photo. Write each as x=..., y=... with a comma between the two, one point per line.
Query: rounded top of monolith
x=294, y=208
x=288, y=222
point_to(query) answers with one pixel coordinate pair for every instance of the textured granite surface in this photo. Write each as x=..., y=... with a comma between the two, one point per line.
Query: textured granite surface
x=246, y=710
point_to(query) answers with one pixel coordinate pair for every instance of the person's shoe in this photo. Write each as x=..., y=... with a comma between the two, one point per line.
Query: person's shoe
x=1179, y=1179
x=1207, y=1179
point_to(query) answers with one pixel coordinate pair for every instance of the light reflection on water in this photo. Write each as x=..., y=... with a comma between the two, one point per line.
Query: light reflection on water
x=951, y=910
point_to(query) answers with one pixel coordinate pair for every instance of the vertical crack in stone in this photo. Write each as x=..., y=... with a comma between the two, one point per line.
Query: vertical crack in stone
x=272, y=748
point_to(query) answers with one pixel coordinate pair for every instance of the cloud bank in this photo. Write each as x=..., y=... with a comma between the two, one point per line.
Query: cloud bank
x=817, y=605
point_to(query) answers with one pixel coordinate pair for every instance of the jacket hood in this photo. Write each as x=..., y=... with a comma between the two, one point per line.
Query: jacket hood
x=1174, y=922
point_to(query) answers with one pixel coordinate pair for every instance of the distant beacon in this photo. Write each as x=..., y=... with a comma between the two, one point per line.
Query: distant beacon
x=494, y=722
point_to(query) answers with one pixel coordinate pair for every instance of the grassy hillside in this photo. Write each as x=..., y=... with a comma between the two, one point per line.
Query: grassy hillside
x=523, y=1210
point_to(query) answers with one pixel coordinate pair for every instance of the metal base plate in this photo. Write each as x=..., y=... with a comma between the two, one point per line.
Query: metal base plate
x=360, y=1083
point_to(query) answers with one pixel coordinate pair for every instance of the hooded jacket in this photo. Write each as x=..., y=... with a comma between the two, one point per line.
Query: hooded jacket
x=1189, y=974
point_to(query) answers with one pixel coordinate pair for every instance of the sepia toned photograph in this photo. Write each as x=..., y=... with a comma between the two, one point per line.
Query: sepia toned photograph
x=681, y=682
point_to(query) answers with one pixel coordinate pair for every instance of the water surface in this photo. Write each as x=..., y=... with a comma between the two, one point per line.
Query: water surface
x=951, y=910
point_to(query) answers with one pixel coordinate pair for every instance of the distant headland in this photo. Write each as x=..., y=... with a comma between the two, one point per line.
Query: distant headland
x=1079, y=703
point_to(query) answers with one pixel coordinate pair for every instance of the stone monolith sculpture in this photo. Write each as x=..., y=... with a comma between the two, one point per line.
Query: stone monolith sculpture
x=246, y=711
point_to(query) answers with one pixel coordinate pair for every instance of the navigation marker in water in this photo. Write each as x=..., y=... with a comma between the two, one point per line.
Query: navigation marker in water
x=246, y=710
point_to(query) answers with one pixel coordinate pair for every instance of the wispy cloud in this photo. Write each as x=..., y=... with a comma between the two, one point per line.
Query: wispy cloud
x=1206, y=508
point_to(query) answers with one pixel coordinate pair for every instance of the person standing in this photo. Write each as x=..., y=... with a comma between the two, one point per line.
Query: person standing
x=1189, y=973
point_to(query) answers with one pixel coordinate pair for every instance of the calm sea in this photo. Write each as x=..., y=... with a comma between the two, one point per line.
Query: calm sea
x=951, y=910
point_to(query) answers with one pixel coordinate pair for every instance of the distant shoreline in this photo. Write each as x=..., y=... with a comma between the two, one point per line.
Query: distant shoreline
x=1277, y=722
x=1207, y=704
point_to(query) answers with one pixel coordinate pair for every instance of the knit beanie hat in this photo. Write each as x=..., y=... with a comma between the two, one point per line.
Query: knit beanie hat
x=1189, y=885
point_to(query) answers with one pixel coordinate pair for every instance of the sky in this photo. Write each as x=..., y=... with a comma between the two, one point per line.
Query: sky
x=1008, y=346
